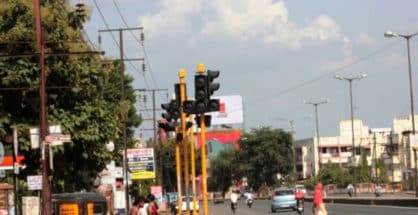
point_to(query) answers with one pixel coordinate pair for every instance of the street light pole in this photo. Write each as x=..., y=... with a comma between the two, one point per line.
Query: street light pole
x=390, y=34
x=353, y=154
x=315, y=104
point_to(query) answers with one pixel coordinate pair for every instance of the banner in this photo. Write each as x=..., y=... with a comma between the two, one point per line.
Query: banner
x=141, y=163
x=231, y=110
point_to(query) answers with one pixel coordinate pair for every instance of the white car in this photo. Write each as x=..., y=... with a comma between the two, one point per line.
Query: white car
x=184, y=204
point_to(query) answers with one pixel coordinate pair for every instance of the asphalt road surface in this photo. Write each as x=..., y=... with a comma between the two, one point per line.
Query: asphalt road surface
x=263, y=207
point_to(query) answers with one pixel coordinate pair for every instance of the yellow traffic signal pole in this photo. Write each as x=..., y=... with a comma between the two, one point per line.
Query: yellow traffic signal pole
x=182, y=75
x=192, y=161
x=178, y=172
x=203, y=141
x=201, y=70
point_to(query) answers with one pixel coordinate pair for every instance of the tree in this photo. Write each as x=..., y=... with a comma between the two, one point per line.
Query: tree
x=365, y=175
x=265, y=152
x=382, y=171
x=83, y=94
x=332, y=173
x=223, y=169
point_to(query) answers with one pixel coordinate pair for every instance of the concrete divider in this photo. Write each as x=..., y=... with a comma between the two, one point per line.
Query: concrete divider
x=402, y=201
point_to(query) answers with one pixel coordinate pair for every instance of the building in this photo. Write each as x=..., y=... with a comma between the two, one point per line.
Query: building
x=393, y=146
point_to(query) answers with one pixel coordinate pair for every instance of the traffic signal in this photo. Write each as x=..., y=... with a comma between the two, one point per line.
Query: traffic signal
x=188, y=107
x=201, y=96
x=208, y=120
x=175, y=109
x=212, y=104
x=166, y=115
x=171, y=115
x=166, y=126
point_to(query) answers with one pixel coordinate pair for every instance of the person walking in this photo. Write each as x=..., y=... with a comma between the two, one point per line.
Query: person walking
x=137, y=204
x=318, y=201
x=144, y=209
x=152, y=205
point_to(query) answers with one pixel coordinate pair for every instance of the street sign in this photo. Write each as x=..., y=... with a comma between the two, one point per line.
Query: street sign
x=34, y=182
x=57, y=139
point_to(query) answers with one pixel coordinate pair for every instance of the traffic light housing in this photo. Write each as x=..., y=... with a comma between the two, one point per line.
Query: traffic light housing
x=188, y=107
x=167, y=126
x=212, y=105
x=171, y=115
x=201, y=96
x=166, y=115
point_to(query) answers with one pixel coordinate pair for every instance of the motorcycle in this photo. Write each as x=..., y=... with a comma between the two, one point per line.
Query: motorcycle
x=300, y=206
x=249, y=202
x=234, y=206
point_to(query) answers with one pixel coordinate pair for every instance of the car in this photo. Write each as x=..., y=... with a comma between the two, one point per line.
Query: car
x=283, y=198
x=302, y=187
x=184, y=205
x=218, y=197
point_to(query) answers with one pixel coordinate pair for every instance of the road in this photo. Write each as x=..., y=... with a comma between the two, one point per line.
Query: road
x=263, y=207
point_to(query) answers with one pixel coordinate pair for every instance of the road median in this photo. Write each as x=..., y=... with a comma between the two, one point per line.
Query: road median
x=392, y=201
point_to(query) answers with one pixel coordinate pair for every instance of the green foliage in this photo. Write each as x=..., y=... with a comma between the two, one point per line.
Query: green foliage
x=332, y=173
x=223, y=169
x=165, y=159
x=364, y=175
x=382, y=170
x=265, y=152
x=83, y=94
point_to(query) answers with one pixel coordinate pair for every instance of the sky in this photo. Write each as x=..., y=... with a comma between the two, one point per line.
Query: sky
x=277, y=55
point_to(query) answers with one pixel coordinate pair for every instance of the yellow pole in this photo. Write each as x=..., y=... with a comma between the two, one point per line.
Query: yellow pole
x=178, y=173
x=192, y=161
x=203, y=141
x=182, y=75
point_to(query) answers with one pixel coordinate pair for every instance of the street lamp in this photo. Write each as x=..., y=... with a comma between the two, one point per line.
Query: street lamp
x=315, y=104
x=390, y=34
x=353, y=154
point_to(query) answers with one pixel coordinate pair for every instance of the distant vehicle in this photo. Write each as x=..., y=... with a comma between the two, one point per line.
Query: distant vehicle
x=184, y=205
x=218, y=197
x=283, y=198
x=83, y=203
x=300, y=186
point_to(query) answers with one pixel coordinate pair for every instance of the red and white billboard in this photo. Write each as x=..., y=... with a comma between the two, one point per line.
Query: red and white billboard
x=231, y=110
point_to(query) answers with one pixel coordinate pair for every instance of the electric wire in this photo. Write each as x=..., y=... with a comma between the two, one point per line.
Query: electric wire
x=356, y=61
x=111, y=33
x=143, y=48
x=146, y=59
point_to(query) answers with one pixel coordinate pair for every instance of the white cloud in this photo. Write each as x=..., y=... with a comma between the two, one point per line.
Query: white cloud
x=347, y=48
x=363, y=38
x=173, y=17
x=257, y=20
x=267, y=21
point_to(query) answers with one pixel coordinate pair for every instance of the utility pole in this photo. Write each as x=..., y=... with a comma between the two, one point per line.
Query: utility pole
x=353, y=156
x=45, y=147
x=46, y=190
x=292, y=132
x=154, y=111
x=315, y=104
x=122, y=99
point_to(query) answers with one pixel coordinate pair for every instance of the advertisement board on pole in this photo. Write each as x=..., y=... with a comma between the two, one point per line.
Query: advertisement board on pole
x=141, y=163
x=231, y=110
x=34, y=182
